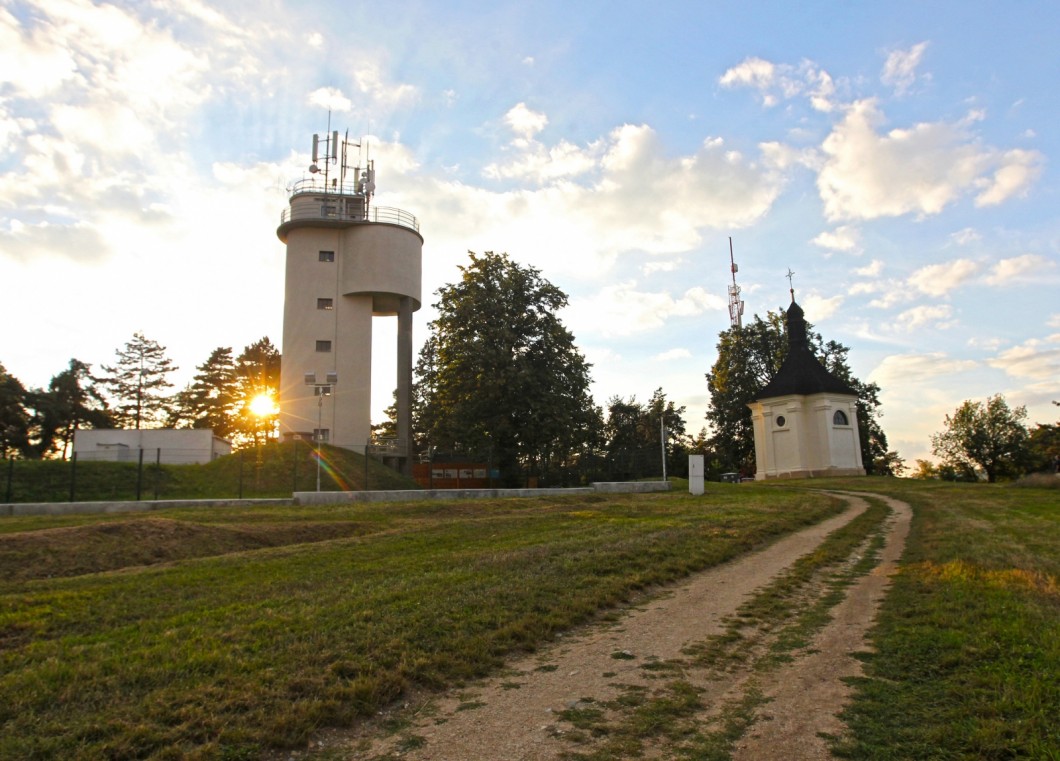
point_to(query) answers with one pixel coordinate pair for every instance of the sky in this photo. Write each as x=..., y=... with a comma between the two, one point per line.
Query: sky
x=899, y=158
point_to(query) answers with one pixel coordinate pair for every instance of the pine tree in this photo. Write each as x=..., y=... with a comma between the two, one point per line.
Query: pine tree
x=72, y=402
x=210, y=400
x=136, y=382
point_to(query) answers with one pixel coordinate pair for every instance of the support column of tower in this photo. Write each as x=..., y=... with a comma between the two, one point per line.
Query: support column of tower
x=404, y=383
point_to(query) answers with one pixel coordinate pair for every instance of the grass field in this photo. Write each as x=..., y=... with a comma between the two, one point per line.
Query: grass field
x=218, y=634
x=968, y=643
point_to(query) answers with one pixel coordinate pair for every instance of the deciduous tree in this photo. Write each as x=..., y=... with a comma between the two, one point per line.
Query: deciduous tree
x=748, y=358
x=503, y=379
x=991, y=436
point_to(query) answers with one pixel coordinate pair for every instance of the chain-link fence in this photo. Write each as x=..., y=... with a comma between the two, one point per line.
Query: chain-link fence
x=271, y=470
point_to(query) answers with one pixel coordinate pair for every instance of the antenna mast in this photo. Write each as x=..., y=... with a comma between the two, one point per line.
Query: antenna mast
x=735, y=304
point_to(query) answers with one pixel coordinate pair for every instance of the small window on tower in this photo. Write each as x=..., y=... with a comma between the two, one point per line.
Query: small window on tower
x=780, y=421
x=840, y=418
x=325, y=304
x=321, y=434
x=327, y=256
x=323, y=345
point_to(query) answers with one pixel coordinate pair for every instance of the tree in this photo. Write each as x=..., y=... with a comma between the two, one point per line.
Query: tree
x=210, y=400
x=72, y=402
x=500, y=378
x=748, y=358
x=1044, y=446
x=257, y=381
x=14, y=416
x=991, y=436
x=136, y=382
x=632, y=434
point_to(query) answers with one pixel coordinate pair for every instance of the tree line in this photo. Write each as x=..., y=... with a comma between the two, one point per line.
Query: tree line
x=134, y=392
x=500, y=380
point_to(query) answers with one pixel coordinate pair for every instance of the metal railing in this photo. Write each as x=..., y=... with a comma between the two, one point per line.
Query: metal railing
x=335, y=206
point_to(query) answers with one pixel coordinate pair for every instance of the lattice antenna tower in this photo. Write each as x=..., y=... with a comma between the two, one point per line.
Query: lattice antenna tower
x=735, y=303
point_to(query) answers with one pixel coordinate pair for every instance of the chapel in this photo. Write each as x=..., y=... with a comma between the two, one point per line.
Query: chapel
x=805, y=419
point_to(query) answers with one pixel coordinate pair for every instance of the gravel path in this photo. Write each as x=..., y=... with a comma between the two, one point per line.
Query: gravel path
x=515, y=716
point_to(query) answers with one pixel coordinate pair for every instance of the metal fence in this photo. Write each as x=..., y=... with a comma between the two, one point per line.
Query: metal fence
x=152, y=474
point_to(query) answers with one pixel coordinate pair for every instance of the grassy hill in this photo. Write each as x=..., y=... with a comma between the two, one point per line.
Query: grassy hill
x=224, y=634
x=272, y=470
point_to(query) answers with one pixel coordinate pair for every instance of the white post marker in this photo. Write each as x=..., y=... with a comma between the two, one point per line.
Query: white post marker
x=695, y=474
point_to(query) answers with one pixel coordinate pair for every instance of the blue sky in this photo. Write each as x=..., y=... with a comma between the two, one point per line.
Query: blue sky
x=899, y=157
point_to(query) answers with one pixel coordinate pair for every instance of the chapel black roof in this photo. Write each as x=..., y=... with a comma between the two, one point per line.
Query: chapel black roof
x=801, y=372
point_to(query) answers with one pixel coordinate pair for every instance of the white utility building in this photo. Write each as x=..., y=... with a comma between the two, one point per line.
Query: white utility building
x=805, y=419
x=348, y=261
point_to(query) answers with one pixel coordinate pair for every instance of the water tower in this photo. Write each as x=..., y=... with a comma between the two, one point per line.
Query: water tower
x=348, y=262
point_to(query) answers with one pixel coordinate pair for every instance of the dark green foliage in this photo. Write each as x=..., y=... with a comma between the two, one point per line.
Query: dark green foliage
x=990, y=436
x=633, y=434
x=211, y=400
x=257, y=374
x=72, y=402
x=748, y=358
x=14, y=416
x=136, y=383
x=500, y=378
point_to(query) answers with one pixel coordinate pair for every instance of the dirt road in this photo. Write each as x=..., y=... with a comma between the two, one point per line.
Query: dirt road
x=581, y=695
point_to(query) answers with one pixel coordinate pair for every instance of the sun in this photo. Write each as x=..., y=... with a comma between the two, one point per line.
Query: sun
x=263, y=405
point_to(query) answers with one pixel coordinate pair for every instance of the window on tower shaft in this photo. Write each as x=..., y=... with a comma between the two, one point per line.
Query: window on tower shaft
x=324, y=346
x=325, y=304
x=327, y=256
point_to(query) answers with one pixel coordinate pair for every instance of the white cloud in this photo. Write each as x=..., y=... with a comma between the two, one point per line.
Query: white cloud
x=783, y=81
x=821, y=308
x=330, y=98
x=315, y=40
x=525, y=122
x=939, y=279
x=844, y=238
x=919, y=170
x=650, y=268
x=592, y=198
x=751, y=72
x=872, y=269
x=672, y=354
x=1054, y=320
x=937, y=317
x=902, y=369
x=899, y=70
x=1038, y=359
x=1019, y=269
x=622, y=310
x=966, y=236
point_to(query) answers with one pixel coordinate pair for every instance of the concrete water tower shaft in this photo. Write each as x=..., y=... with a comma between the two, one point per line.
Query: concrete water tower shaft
x=348, y=261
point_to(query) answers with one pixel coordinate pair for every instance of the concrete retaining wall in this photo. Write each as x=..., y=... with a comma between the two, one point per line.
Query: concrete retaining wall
x=339, y=497
x=326, y=498
x=143, y=506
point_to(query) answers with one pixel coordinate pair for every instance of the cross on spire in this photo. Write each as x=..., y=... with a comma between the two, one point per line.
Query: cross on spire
x=791, y=286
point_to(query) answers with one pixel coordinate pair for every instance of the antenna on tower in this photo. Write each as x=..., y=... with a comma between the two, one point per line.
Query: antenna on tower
x=735, y=304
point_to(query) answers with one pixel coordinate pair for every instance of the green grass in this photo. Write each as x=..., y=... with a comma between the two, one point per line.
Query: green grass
x=967, y=660
x=226, y=655
x=272, y=470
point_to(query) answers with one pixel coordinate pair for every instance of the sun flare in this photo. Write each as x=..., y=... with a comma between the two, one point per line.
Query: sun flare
x=263, y=405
